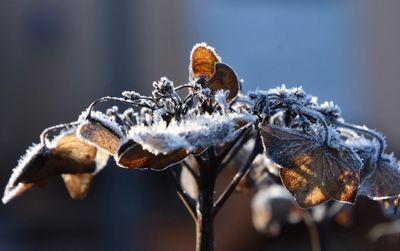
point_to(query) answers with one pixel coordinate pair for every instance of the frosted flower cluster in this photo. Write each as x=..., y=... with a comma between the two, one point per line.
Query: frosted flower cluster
x=307, y=149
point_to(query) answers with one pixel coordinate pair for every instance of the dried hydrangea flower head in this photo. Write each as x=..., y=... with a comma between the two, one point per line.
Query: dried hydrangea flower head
x=293, y=140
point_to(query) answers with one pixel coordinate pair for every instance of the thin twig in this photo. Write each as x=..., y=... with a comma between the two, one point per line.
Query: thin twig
x=239, y=175
x=115, y=99
x=182, y=195
x=43, y=135
x=232, y=149
x=312, y=229
x=235, y=142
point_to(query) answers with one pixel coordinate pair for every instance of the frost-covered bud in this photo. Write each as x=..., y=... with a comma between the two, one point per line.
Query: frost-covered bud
x=205, y=94
x=112, y=111
x=330, y=110
x=164, y=86
x=132, y=95
x=220, y=98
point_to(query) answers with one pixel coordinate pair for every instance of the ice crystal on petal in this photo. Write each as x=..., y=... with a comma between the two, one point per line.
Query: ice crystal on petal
x=190, y=133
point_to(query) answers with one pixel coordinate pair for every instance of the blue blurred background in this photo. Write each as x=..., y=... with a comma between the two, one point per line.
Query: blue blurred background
x=58, y=56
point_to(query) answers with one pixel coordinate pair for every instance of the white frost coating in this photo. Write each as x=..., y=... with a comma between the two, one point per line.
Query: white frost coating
x=220, y=98
x=190, y=133
x=329, y=106
x=11, y=190
x=284, y=90
x=104, y=119
x=203, y=44
x=53, y=143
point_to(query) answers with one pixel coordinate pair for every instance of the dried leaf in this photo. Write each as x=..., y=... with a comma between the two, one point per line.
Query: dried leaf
x=132, y=155
x=101, y=135
x=224, y=78
x=203, y=58
x=312, y=171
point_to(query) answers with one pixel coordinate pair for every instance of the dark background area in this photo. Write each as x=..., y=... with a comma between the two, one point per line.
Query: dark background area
x=58, y=56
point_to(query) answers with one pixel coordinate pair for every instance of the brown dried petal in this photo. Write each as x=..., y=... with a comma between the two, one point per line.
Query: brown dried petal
x=203, y=59
x=100, y=135
x=224, y=78
x=67, y=155
x=132, y=155
x=381, y=180
x=77, y=184
x=311, y=170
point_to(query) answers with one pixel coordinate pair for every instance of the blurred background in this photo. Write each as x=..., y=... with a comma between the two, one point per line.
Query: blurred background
x=58, y=56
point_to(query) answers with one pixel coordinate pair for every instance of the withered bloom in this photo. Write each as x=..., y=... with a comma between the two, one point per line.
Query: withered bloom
x=313, y=171
x=280, y=140
x=66, y=155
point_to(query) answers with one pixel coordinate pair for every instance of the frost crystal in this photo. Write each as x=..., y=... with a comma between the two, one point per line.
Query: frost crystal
x=191, y=133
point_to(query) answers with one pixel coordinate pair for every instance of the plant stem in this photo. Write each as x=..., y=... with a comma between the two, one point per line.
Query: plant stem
x=209, y=166
x=312, y=229
x=205, y=214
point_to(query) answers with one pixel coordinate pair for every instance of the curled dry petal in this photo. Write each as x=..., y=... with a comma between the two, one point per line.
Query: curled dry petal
x=203, y=58
x=132, y=155
x=381, y=180
x=66, y=154
x=205, y=63
x=224, y=78
x=312, y=171
x=77, y=184
x=101, y=134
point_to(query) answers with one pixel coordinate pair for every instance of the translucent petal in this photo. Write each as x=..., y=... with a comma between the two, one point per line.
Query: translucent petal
x=313, y=171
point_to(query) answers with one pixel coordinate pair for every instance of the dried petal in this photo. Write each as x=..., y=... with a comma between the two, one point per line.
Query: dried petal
x=77, y=184
x=101, y=135
x=312, y=171
x=66, y=154
x=203, y=58
x=224, y=78
x=381, y=180
x=132, y=155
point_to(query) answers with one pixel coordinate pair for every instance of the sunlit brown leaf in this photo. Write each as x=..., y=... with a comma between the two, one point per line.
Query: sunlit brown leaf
x=312, y=171
x=100, y=135
x=224, y=78
x=132, y=155
x=203, y=59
